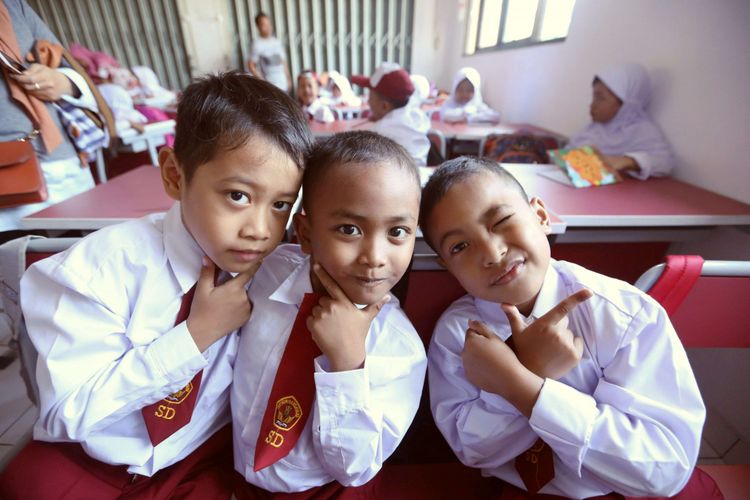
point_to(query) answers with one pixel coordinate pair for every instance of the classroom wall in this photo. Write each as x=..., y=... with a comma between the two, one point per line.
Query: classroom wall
x=695, y=50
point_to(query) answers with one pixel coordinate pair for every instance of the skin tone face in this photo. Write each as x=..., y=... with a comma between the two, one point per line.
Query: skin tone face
x=307, y=90
x=236, y=206
x=379, y=107
x=264, y=26
x=492, y=240
x=464, y=92
x=604, y=104
x=335, y=91
x=361, y=228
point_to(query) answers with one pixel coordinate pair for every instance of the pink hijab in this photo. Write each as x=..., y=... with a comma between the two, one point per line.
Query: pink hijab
x=631, y=132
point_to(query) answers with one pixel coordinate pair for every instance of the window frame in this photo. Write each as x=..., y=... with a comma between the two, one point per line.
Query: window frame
x=500, y=45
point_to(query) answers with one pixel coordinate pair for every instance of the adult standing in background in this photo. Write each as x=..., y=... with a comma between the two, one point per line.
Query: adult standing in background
x=267, y=59
x=26, y=99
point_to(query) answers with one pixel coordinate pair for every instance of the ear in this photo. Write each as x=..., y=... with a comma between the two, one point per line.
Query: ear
x=171, y=173
x=537, y=205
x=302, y=230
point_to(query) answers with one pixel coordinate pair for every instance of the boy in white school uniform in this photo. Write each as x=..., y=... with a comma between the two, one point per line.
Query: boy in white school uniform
x=390, y=90
x=323, y=422
x=547, y=376
x=135, y=403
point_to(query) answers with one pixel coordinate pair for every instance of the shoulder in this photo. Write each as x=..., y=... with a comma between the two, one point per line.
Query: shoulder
x=120, y=250
x=450, y=328
x=278, y=265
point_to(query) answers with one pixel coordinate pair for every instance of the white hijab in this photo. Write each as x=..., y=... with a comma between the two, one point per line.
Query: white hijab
x=631, y=131
x=475, y=109
x=348, y=97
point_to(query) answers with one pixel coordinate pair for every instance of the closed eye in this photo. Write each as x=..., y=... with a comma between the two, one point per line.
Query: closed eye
x=503, y=220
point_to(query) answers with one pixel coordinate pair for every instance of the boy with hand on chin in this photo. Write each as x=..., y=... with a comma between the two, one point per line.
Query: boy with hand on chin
x=330, y=370
x=135, y=358
x=547, y=376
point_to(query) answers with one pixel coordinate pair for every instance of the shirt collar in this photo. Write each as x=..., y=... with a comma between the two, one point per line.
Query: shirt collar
x=293, y=289
x=182, y=250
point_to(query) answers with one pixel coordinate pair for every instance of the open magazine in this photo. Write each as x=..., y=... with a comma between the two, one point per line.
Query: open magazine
x=584, y=166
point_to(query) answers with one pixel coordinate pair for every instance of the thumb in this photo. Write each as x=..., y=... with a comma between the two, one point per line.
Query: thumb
x=206, y=278
x=373, y=309
x=514, y=318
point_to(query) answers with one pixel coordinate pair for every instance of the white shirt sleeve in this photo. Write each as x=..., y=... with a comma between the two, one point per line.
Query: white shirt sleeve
x=86, y=99
x=361, y=415
x=89, y=372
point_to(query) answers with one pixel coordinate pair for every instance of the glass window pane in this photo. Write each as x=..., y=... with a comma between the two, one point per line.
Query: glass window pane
x=472, y=25
x=556, y=19
x=490, y=23
x=519, y=21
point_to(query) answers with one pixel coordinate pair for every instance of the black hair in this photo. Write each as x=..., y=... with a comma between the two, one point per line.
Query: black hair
x=453, y=172
x=350, y=148
x=258, y=17
x=597, y=79
x=222, y=112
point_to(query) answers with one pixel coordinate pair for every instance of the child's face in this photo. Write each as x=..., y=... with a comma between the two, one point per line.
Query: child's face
x=361, y=228
x=492, y=240
x=464, y=92
x=237, y=205
x=604, y=104
x=379, y=107
x=307, y=90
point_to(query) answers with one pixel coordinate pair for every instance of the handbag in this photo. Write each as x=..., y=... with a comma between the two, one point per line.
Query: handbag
x=21, y=177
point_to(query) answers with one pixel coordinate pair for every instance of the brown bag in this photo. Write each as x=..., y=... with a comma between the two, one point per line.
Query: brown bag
x=21, y=177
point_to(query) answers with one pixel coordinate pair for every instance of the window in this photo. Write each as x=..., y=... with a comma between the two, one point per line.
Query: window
x=501, y=24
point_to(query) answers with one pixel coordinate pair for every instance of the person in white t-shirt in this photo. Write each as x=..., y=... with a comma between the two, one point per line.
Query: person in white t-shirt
x=267, y=59
x=390, y=90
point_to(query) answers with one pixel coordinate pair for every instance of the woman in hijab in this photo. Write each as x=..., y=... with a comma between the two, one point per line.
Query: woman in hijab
x=465, y=102
x=620, y=128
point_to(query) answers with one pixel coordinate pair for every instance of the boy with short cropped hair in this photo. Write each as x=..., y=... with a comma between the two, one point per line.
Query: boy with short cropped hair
x=133, y=401
x=546, y=375
x=324, y=389
x=390, y=89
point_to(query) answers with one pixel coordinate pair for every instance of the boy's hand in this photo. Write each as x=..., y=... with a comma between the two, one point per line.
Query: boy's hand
x=491, y=365
x=339, y=327
x=547, y=347
x=218, y=310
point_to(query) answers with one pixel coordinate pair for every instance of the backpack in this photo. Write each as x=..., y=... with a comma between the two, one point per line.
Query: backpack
x=515, y=148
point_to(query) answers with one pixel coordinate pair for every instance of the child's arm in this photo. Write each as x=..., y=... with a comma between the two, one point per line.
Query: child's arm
x=364, y=402
x=97, y=363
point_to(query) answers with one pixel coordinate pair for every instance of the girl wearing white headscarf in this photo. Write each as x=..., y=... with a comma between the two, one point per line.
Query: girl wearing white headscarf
x=620, y=128
x=465, y=101
x=340, y=91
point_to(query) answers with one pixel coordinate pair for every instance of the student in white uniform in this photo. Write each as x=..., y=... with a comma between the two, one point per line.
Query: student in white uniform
x=118, y=366
x=547, y=363
x=390, y=90
x=367, y=365
x=465, y=102
x=308, y=90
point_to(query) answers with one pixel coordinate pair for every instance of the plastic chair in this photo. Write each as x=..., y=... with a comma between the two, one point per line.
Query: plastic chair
x=707, y=302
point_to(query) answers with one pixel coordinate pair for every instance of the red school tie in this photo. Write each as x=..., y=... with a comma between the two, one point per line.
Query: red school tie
x=536, y=465
x=167, y=416
x=292, y=394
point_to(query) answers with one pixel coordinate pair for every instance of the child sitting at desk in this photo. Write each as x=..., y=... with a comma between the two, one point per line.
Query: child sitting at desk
x=338, y=91
x=621, y=129
x=321, y=401
x=465, y=102
x=307, y=96
x=548, y=376
x=390, y=90
x=134, y=402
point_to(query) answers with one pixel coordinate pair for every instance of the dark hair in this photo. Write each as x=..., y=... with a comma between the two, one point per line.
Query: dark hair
x=222, y=112
x=597, y=79
x=258, y=17
x=349, y=148
x=453, y=172
x=393, y=102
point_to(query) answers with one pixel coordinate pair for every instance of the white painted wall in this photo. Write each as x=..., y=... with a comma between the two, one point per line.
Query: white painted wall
x=208, y=36
x=697, y=52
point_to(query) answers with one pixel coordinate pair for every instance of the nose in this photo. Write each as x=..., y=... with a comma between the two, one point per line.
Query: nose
x=373, y=252
x=256, y=226
x=491, y=251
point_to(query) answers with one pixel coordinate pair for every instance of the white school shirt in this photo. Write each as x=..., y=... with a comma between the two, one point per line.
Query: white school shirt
x=628, y=418
x=359, y=416
x=407, y=126
x=101, y=315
